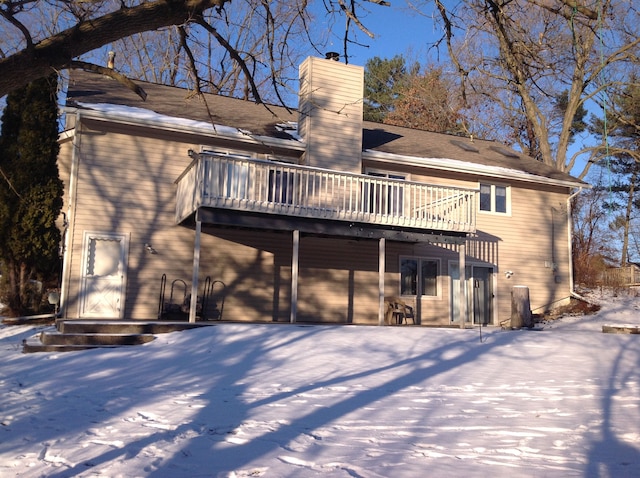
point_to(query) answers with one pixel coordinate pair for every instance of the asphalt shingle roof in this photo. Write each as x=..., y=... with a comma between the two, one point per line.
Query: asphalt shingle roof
x=86, y=87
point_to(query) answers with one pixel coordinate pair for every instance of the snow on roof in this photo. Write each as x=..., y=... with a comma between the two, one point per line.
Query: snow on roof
x=146, y=115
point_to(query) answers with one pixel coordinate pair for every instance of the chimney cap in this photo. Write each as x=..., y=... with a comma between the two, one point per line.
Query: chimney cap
x=332, y=55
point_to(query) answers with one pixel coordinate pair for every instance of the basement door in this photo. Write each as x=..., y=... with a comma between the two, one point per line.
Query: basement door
x=480, y=296
x=102, y=285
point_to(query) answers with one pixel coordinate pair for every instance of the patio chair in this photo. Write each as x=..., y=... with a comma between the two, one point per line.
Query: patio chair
x=401, y=312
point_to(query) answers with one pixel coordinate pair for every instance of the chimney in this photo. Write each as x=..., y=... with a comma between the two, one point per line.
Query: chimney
x=332, y=55
x=330, y=113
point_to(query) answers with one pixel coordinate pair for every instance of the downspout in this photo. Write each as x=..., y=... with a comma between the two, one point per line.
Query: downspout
x=569, y=234
x=73, y=180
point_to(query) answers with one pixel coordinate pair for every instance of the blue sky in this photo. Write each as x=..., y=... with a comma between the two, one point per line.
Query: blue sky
x=398, y=30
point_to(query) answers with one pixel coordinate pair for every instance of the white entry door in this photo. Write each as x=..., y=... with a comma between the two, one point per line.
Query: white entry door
x=103, y=275
x=479, y=292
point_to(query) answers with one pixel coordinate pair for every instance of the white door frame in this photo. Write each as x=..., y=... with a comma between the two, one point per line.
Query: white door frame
x=114, y=280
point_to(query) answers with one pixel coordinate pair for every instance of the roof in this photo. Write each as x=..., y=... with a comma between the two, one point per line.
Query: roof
x=380, y=140
x=86, y=87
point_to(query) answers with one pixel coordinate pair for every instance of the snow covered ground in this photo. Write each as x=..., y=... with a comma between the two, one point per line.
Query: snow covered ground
x=236, y=400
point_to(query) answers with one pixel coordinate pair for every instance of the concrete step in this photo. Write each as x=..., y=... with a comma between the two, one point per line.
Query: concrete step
x=57, y=338
x=74, y=334
x=71, y=326
x=42, y=319
x=31, y=346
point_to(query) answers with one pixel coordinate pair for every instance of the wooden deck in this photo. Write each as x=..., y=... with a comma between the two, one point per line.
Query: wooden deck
x=276, y=188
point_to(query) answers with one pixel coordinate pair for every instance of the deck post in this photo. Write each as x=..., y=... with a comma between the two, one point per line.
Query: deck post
x=463, y=286
x=294, y=276
x=381, y=271
x=196, y=271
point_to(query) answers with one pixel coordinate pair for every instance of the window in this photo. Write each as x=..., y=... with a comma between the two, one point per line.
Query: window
x=281, y=186
x=384, y=198
x=227, y=175
x=494, y=198
x=419, y=276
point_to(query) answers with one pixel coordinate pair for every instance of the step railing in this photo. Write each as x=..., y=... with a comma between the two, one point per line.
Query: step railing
x=270, y=187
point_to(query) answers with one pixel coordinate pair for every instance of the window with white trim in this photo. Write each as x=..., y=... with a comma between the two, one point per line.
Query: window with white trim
x=419, y=276
x=384, y=198
x=495, y=198
x=227, y=179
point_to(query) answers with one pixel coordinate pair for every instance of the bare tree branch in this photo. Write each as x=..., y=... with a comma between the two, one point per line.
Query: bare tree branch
x=192, y=62
x=57, y=51
x=570, y=6
x=234, y=54
x=9, y=183
x=354, y=18
x=448, y=28
x=83, y=65
x=8, y=14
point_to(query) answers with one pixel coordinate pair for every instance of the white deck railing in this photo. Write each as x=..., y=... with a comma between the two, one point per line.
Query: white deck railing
x=278, y=188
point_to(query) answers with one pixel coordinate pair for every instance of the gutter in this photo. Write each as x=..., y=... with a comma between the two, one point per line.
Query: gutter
x=569, y=238
x=448, y=164
x=70, y=216
x=578, y=296
x=188, y=129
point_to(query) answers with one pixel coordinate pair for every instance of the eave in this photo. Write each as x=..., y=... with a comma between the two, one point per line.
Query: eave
x=195, y=128
x=465, y=167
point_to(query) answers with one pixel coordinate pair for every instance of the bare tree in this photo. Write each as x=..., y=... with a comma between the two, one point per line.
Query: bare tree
x=37, y=38
x=592, y=242
x=520, y=57
x=426, y=101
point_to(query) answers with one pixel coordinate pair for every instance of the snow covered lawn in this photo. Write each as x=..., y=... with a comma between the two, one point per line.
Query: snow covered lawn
x=236, y=400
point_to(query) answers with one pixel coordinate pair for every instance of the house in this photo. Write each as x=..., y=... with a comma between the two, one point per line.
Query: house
x=269, y=214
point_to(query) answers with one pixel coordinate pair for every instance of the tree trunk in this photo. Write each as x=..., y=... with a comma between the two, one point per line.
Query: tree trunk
x=627, y=221
x=520, y=308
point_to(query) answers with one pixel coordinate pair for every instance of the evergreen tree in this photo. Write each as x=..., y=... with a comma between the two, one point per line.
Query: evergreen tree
x=30, y=193
x=383, y=80
x=622, y=134
x=578, y=125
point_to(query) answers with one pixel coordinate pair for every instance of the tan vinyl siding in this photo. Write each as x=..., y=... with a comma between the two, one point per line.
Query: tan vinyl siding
x=338, y=280
x=330, y=118
x=530, y=240
x=255, y=267
x=125, y=185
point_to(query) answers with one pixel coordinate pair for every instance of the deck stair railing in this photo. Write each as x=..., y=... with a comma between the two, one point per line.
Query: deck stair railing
x=270, y=187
